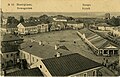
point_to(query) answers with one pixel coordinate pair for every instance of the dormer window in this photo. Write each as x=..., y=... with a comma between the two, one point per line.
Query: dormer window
x=85, y=75
x=40, y=66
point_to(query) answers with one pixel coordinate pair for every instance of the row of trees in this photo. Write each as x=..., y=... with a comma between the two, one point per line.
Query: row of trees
x=42, y=19
x=114, y=21
x=12, y=20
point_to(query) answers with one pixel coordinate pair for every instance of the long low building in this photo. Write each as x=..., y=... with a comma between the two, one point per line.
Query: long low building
x=104, y=47
x=34, y=51
x=69, y=65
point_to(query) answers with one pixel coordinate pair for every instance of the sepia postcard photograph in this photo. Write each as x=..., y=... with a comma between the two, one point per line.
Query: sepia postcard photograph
x=65, y=38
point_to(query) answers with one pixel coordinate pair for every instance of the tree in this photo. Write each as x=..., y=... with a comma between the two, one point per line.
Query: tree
x=12, y=20
x=21, y=19
x=113, y=21
x=45, y=19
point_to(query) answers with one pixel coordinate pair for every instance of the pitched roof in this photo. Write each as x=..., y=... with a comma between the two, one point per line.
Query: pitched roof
x=60, y=19
x=9, y=48
x=69, y=64
x=29, y=24
x=100, y=42
x=26, y=72
x=103, y=24
x=10, y=37
x=87, y=32
x=42, y=51
x=95, y=39
x=72, y=22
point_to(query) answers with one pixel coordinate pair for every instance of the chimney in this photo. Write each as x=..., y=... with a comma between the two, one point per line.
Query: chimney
x=56, y=47
x=40, y=42
x=84, y=36
x=58, y=54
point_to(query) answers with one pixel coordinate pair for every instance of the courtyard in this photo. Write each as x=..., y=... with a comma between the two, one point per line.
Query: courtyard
x=71, y=40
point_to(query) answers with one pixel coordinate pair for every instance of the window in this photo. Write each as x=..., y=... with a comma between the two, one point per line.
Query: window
x=11, y=55
x=7, y=56
x=94, y=73
x=115, y=51
x=17, y=54
x=28, y=56
x=85, y=74
x=21, y=54
x=40, y=66
x=24, y=56
x=2, y=65
x=105, y=51
x=33, y=59
x=37, y=60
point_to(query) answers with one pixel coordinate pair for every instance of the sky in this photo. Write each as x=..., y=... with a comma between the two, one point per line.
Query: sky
x=62, y=5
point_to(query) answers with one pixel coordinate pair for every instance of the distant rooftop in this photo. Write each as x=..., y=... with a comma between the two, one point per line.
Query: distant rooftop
x=69, y=64
x=29, y=24
x=117, y=28
x=26, y=72
x=60, y=19
x=42, y=51
x=72, y=22
x=87, y=32
x=103, y=24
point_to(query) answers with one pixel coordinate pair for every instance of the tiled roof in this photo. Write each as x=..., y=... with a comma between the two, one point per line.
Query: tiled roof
x=69, y=64
x=42, y=51
x=26, y=72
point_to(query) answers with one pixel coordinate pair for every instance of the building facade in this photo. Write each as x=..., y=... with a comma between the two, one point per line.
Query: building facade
x=42, y=28
x=70, y=65
x=34, y=51
x=9, y=49
x=27, y=28
x=74, y=25
x=98, y=45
